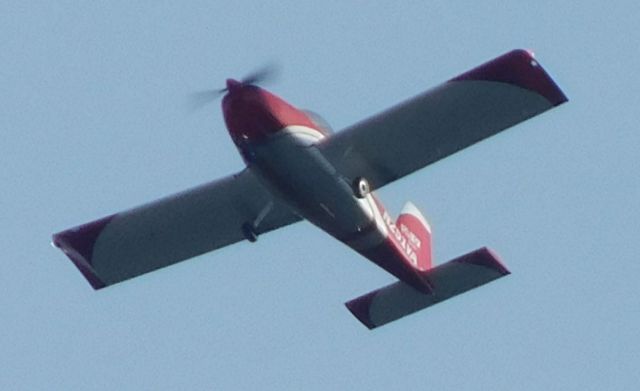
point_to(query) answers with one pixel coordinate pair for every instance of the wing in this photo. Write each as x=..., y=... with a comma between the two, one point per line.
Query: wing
x=444, y=120
x=172, y=229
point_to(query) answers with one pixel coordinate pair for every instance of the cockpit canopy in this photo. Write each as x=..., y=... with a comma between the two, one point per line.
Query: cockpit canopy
x=320, y=122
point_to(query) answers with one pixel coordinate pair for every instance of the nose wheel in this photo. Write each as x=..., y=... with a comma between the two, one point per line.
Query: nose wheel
x=361, y=187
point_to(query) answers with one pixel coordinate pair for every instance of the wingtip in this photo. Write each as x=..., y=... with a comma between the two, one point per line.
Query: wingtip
x=82, y=265
x=359, y=307
x=485, y=257
x=78, y=243
x=520, y=68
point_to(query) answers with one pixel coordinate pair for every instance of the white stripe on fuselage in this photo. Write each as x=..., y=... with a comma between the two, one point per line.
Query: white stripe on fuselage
x=304, y=134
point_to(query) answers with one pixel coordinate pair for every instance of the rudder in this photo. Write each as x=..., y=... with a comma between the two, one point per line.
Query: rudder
x=417, y=231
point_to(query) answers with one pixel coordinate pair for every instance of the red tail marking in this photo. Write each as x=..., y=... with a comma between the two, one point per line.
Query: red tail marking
x=416, y=234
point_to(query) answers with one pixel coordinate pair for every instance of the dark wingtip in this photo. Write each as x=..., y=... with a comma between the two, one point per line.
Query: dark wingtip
x=78, y=243
x=359, y=307
x=520, y=68
x=84, y=267
x=484, y=257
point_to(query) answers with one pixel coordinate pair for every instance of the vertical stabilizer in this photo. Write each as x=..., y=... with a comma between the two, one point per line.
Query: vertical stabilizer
x=417, y=232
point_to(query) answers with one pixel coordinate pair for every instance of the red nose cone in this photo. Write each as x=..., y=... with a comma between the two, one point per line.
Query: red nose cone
x=253, y=114
x=233, y=85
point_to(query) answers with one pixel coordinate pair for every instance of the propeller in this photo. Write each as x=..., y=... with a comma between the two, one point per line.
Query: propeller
x=267, y=73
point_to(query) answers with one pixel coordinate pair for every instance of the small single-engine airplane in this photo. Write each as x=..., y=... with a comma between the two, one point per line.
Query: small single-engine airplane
x=298, y=169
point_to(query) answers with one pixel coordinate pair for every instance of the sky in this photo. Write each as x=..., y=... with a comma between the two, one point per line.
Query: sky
x=94, y=121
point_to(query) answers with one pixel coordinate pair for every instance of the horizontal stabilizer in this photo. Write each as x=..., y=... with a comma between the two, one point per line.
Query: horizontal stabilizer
x=449, y=279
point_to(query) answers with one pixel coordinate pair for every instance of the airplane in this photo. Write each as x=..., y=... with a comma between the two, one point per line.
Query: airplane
x=297, y=169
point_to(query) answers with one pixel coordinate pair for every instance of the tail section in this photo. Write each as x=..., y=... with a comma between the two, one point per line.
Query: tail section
x=406, y=250
x=449, y=279
x=406, y=253
x=415, y=237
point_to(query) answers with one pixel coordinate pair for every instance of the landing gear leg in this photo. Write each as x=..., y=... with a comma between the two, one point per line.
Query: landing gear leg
x=249, y=230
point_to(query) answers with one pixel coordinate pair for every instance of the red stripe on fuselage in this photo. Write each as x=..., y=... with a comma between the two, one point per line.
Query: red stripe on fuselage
x=394, y=254
x=389, y=257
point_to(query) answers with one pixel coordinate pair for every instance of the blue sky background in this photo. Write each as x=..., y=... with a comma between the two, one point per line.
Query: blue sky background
x=93, y=121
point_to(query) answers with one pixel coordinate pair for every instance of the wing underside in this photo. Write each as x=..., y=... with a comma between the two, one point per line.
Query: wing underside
x=172, y=229
x=444, y=120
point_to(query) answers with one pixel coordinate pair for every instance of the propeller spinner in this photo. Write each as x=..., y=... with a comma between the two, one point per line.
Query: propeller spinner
x=201, y=98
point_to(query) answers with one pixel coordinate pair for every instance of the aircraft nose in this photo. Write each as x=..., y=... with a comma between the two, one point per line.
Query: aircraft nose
x=249, y=113
x=233, y=85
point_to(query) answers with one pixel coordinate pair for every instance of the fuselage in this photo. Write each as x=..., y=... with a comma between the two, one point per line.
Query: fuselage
x=279, y=144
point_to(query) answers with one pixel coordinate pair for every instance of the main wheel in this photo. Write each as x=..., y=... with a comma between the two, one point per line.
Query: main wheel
x=249, y=232
x=361, y=187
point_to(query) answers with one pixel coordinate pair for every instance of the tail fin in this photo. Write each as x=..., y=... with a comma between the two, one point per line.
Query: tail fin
x=415, y=228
